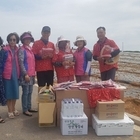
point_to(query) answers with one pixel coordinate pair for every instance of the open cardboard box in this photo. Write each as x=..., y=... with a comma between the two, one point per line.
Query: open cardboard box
x=44, y=98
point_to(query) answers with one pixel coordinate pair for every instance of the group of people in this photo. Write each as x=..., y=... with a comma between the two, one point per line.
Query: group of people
x=20, y=65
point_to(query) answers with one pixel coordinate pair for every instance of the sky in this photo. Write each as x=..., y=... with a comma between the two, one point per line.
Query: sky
x=71, y=18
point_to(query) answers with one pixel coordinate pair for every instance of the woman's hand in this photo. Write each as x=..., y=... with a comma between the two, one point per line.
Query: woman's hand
x=27, y=78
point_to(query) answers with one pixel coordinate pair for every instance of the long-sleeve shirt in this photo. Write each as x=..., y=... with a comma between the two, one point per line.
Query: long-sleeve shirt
x=97, y=50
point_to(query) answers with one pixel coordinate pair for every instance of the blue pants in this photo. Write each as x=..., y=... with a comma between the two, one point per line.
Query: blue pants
x=26, y=97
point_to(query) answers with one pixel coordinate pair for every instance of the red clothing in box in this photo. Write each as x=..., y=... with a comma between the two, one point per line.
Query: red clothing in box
x=97, y=52
x=61, y=71
x=39, y=48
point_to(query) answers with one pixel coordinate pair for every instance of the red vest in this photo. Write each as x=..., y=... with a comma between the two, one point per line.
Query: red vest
x=62, y=71
x=8, y=64
x=29, y=61
x=80, y=64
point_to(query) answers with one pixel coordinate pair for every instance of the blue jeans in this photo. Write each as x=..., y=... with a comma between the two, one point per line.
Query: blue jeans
x=26, y=97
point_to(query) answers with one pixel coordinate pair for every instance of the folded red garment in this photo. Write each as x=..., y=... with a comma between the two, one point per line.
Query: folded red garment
x=103, y=94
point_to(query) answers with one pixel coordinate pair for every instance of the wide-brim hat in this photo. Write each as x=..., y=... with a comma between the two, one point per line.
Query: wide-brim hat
x=26, y=35
x=61, y=38
x=80, y=38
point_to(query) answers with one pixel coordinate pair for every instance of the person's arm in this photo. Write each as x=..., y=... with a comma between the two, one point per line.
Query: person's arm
x=55, y=61
x=35, y=50
x=95, y=58
x=3, y=58
x=37, y=57
x=115, y=53
x=21, y=62
x=57, y=64
x=95, y=53
x=115, y=47
x=89, y=59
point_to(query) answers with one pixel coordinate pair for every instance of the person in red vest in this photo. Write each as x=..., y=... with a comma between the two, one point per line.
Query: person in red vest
x=83, y=58
x=43, y=50
x=63, y=61
x=106, y=52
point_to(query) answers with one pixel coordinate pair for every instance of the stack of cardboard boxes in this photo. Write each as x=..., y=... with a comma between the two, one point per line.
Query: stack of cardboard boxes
x=110, y=110
x=46, y=109
x=73, y=119
x=110, y=119
x=80, y=94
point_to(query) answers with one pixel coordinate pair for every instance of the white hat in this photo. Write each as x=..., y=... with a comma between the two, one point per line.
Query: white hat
x=61, y=38
x=78, y=38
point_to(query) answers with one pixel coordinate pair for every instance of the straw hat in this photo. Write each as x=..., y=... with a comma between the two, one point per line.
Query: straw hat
x=79, y=38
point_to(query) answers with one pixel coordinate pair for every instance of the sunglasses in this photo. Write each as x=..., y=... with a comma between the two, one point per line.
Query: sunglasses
x=12, y=40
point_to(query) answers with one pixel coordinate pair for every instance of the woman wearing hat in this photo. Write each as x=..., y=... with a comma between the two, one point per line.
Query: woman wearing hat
x=63, y=61
x=11, y=74
x=27, y=72
x=83, y=58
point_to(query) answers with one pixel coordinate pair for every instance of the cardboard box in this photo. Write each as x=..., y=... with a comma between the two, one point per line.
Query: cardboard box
x=116, y=105
x=110, y=110
x=113, y=127
x=109, y=115
x=45, y=98
x=87, y=111
x=80, y=94
x=47, y=114
x=74, y=125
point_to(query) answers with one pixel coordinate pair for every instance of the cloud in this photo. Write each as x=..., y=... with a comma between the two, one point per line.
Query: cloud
x=72, y=18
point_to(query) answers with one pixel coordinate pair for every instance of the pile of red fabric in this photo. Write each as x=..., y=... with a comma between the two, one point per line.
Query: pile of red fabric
x=104, y=94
